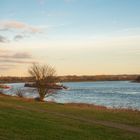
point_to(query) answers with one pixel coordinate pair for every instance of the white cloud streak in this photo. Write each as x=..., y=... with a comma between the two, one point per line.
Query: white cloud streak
x=9, y=60
x=17, y=25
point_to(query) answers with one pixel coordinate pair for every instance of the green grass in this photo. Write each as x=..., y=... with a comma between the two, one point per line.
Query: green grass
x=22, y=119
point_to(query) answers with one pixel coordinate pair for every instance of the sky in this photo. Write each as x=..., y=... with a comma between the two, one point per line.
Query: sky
x=77, y=37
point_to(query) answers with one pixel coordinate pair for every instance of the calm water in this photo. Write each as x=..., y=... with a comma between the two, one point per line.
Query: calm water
x=117, y=94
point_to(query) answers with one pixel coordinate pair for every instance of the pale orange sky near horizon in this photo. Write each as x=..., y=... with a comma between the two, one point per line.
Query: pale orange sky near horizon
x=91, y=57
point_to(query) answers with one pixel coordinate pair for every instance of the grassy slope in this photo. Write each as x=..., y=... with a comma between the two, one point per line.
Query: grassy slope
x=30, y=120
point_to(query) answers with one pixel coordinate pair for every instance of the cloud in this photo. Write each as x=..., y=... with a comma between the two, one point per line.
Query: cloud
x=9, y=59
x=7, y=64
x=18, y=56
x=18, y=37
x=17, y=25
x=20, y=28
x=22, y=55
x=16, y=61
x=3, y=39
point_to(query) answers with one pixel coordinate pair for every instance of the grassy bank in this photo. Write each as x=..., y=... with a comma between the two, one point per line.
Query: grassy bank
x=22, y=119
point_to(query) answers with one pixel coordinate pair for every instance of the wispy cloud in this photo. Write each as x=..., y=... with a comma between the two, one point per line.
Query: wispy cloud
x=20, y=28
x=9, y=60
x=16, y=61
x=18, y=37
x=23, y=55
x=3, y=39
x=17, y=25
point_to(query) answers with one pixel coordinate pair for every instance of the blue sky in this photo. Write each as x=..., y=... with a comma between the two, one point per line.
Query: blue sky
x=76, y=36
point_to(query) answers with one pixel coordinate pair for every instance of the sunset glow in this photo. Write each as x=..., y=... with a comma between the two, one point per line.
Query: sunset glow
x=78, y=37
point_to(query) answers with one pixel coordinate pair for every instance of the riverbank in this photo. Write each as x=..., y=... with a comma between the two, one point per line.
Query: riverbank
x=28, y=119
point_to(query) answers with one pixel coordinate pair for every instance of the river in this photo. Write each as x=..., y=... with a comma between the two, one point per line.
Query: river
x=112, y=94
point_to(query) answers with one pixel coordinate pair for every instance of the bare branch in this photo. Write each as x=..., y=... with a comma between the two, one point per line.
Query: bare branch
x=44, y=77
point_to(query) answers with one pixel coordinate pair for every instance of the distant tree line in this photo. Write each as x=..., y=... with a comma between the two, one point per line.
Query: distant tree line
x=138, y=79
x=10, y=79
x=74, y=78
x=98, y=78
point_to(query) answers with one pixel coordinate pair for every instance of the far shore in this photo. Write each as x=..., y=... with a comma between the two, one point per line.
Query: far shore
x=75, y=78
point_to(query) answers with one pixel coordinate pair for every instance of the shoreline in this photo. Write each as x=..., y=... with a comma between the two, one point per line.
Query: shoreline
x=77, y=105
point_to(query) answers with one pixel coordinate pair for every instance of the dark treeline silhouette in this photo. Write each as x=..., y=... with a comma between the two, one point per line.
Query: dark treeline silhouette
x=137, y=79
x=11, y=79
x=74, y=78
x=98, y=78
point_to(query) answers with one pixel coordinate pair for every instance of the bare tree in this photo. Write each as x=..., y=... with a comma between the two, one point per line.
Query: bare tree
x=44, y=77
